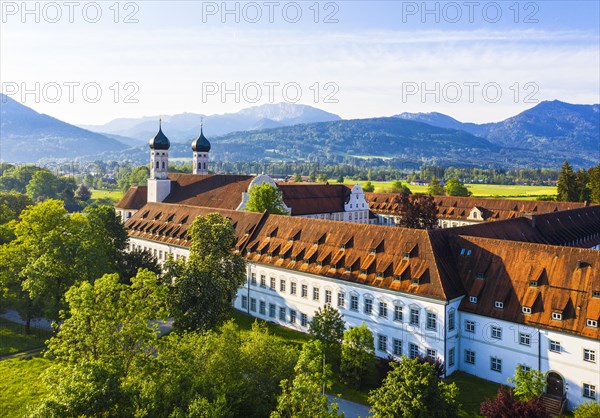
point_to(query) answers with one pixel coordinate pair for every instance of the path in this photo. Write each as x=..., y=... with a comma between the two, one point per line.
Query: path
x=351, y=409
x=14, y=316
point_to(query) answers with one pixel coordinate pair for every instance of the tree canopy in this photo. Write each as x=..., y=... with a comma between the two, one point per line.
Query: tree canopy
x=455, y=187
x=358, y=350
x=266, y=197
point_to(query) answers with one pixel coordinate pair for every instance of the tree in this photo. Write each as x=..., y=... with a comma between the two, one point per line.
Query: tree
x=455, y=187
x=412, y=389
x=368, y=187
x=418, y=211
x=108, y=239
x=205, y=286
x=398, y=187
x=506, y=405
x=108, y=334
x=15, y=201
x=582, y=179
x=590, y=409
x=340, y=179
x=528, y=384
x=304, y=396
x=43, y=185
x=594, y=184
x=322, y=178
x=297, y=178
x=312, y=177
x=133, y=260
x=328, y=327
x=266, y=197
x=567, y=187
x=83, y=193
x=357, y=355
x=435, y=188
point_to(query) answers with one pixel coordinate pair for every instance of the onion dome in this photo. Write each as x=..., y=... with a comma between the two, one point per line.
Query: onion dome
x=200, y=144
x=160, y=140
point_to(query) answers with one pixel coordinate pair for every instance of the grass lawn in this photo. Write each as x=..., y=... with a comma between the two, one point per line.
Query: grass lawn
x=114, y=195
x=245, y=322
x=13, y=339
x=21, y=385
x=472, y=391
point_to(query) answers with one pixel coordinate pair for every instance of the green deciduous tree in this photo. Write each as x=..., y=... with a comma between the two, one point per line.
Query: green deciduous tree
x=368, y=187
x=83, y=193
x=590, y=409
x=412, y=389
x=328, y=327
x=528, y=384
x=455, y=187
x=297, y=178
x=266, y=197
x=205, y=286
x=398, y=187
x=595, y=183
x=43, y=185
x=357, y=355
x=304, y=397
x=435, y=188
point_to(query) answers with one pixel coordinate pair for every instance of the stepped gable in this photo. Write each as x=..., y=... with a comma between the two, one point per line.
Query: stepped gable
x=456, y=207
x=308, y=199
x=398, y=259
x=135, y=198
x=169, y=223
x=211, y=190
x=547, y=279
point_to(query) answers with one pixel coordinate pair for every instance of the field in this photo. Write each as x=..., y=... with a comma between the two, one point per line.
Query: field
x=21, y=385
x=13, y=339
x=479, y=190
x=113, y=195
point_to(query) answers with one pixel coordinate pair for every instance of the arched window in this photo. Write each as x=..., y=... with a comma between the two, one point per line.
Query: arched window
x=157, y=164
x=163, y=164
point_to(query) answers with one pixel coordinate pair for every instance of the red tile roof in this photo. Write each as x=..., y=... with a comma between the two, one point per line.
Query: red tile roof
x=308, y=199
x=211, y=190
x=134, y=198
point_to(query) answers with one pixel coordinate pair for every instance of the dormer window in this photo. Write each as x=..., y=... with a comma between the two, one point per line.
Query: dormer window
x=499, y=305
x=294, y=259
x=319, y=264
x=473, y=299
x=596, y=293
x=414, y=281
x=556, y=316
x=380, y=275
x=347, y=269
x=343, y=247
x=372, y=250
x=270, y=254
x=480, y=276
x=405, y=256
x=533, y=283
x=591, y=323
x=316, y=242
x=363, y=271
x=526, y=310
x=397, y=277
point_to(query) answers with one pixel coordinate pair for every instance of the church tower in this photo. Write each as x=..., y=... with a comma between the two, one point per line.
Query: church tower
x=200, y=149
x=159, y=185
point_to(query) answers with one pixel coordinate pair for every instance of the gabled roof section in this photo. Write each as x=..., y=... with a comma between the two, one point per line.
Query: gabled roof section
x=569, y=289
x=309, y=199
x=212, y=190
x=134, y=198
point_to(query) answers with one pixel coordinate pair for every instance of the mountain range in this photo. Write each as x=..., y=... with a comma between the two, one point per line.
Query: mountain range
x=543, y=136
x=184, y=127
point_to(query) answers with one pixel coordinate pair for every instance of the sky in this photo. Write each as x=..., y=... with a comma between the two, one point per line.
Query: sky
x=478, y=61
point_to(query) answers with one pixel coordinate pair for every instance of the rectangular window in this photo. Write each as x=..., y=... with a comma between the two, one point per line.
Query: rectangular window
x=383, y=309
x=253, y=279
x=263, y=281
x=451, y=357
x=253, y=304
x=556, y=316
x=431, y=320
x=398, y=313
x=328, y=297
x=591, y=323
x=499, y=305
x=304, y=291
x=315, y=293
x=413, y=350
x=292, y=288
x=469, y=357
x=497, y=333
x=282, y=313
x=341, y=300
x=282, y=285
x=262, y=307
x=470, y=326
x=524, y=339
x=525, y=368
x=397, y=347
x=555, y=346
x=589, y=355
x=451, y=320
x=244, y=302
x=431, y=353
x=292, y=316
x=272, y=309
x=368, y=306
x=272, y=283
x=526, y=310
x=303, y=319
x=496, y=364
x=473, y=299
x=414, y=316
x=354, y=302
x=382, y=342
x=589, y=391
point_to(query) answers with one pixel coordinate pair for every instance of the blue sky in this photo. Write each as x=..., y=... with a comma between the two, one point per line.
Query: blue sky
x=476, y=61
